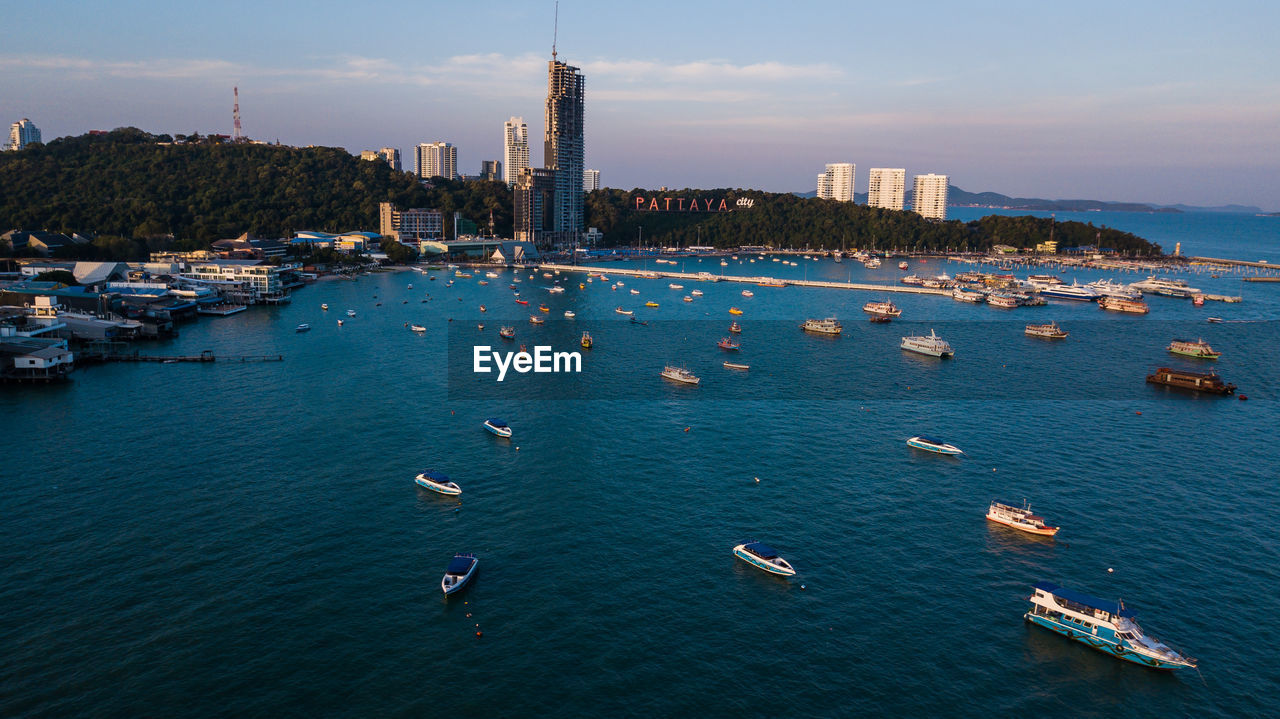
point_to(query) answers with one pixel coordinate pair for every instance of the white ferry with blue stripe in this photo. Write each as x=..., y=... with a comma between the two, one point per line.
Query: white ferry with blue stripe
x=764, y=557
x=1102, y=624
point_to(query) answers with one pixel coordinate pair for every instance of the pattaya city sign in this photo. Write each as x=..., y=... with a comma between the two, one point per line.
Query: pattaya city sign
x=690, y=204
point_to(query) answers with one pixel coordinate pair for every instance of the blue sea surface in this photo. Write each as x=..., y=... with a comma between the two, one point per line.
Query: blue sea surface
x=227, y=540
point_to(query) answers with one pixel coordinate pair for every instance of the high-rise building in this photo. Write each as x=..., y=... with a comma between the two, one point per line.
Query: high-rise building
x=590, y=180
x=535, y=194
x=23, y=133
x=437, y=159
x=836, y=183
x=515, y=153
x=491, y=170
x=563, y=149
x=886, y=187
x=929, y=196
x=389, y=155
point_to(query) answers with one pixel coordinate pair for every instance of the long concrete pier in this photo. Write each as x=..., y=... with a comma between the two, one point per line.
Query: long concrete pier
x=711, y=277
x=1237, y=263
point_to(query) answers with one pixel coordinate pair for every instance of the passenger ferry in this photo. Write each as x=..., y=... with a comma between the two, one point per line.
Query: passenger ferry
x=882, y=308
x=1198, y=349
x=963, y=294
x=679, y=374
x=1198, y=381
x=929, y=444
x=1156, y=284
x=436, y=482
x=1107, y=288
x=498, y=427
x=829, y=326
x=458, y=573
x=1051, y=330
x=727, y=344
x=1102, y=624
x=1119, y=304
x=1073, y=291
x=586, y=340
x=1011, y=515
x=932, y=345
x=763, y=557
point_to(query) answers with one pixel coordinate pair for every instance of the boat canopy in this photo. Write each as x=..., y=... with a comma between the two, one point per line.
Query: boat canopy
x=460, y=565
x=435, y=476
x=1082, y=598
x=762, y=551
x=496, y=422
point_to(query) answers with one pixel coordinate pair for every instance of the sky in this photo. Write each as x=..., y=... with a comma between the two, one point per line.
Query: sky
x=1138, y=101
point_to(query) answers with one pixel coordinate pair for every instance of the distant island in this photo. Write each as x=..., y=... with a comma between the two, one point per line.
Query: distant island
x=957, y=197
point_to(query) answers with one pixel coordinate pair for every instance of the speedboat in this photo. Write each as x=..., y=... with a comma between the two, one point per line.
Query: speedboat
x=933, y=445
x=696, y=293
x=304, y=327
x=436, y=482
x=1021, y=518
x=624, y=312
x=687, y=298
x=417, y=328
x=651, y=303
x=1102, y=624
x=735, y=365
x=763, y=557
x=351, y=313
x=679, y=374
x=543, y=308
x=324, y=306
x=932, y=345
x=728, y=344
x=535, y=319
x=674, y=286
x=568, y=314
x=498, y=427
x=748, y=293
x=460, y=570
x=735, y=311
x=555, y=290
x=635, y=292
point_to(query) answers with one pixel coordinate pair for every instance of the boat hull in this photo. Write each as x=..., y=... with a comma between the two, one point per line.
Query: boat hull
x=434, y=487
x=499, y=431
x=950, y=451
x=1103, y=645
x=928, y=352
x=759, y=563
x=1040, y=531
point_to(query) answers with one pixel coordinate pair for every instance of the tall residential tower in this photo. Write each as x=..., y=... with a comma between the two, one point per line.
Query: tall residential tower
x=929, y=196
x=436, y=159
x=836, y=183
x=886, y=188
x=563, y=149
x=515, y=143
x=22, y=133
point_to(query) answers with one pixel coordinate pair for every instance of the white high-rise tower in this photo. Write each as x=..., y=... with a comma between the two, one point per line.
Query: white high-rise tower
x=23, y=133
x=929, y=196
x=436, y=159
x=836, y=183
x=515, y=142
x=886, y=188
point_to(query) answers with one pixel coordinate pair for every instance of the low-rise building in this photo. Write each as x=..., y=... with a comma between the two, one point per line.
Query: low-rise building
x=247, y=281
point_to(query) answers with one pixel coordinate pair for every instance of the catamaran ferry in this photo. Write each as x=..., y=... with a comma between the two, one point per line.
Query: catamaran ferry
x=1021, y=518
x=932, y=345
x=1102, y=624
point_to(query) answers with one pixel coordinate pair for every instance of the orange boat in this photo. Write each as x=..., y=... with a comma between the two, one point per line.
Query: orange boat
x=735, y=311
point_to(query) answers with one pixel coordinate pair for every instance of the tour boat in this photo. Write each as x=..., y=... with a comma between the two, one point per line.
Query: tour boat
x=734, y=365
x=325, y=306
x=882, y=308
x=1102, y=624
x=437, y=482
x=522, y=302
x=624, y=312
x=1002, y=300
x=748, y=293
x=735, y=311
x=929, y=444
x=696, y=293
x=498, y=427
x=679, y=374
x=1107, y=288
x=962, y=294
x=351, y=313
x=460, y=570
x=304, y=327
x=1011, y=515
x=1119, y=304
x=635, y=292
x=828, y=326
x=728, y=344
x=932, y=345
x=1073, y=291
x=417, y=328
x=535, y=319
x=1198, y=349
x=651, y=303
x=674, y=286
x=568, y=314
x=763, y=557
x=1198, y=381
x=543, y=308
x=1051, y=330
x=735, y=328
x=586, y=340
x=687, y=298
x=507, y=333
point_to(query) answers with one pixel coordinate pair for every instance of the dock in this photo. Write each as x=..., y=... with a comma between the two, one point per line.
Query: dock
x=205, y=356
x=709, y=277
x=1235, y=263
x=221, y=310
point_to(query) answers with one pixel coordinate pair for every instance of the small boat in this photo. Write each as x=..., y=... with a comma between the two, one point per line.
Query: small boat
x=1051, y=331
x=410, y=286
x=829, y=326
x=651, y=303
x=882, y=308
x=483, y=308
x=325, y=306
x=522, y=302
x=339, y=323
x=636, y=321
x=304, y=327
x=674, y=286
x=902, y=265
x=459, y=572
x=696, y=293
x=881, y=318
x=614, y=287
x=568, y=314
x=621, y=311
x=507, y=333
x=581, y=286
x=679, y=374
x=586, y=340
x=436, y=482
x=932, y=345
x=687, y=298
x=484, y=282
x=1197, y=381
x=734, y=365
x=1215, y=319
x=735, y=311
x=933, y=445
x=535, y=319
x=351, y=313
x=735, y=328
x=620, y=283
x=1011, y=515
x=498, y=427
x=480, y=326
x=1102, y=624
x=417, y=328
x=635, y=292
x=491, y=275
x=556, y=290
x=763, y=557
x=543, y=308
x=748, y=293
x=727, y=344
x=1198, y=349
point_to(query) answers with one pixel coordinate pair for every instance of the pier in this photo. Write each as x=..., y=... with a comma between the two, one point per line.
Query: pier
x=205, y=356
x=709, y=277
x=1235, y=263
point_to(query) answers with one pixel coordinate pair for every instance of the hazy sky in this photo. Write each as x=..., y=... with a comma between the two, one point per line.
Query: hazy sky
x=1140, y=101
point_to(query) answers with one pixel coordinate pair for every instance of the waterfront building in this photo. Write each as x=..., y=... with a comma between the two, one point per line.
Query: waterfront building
x=436, y=159
x=535, y=192
x=836, y=182
x=410, y=225
x=248, y=280
x=886, y=188
x=929, y=196
x=563, y=149
x=491, y=170
x=390, y=155
x=23, y=133
x=590, y=180
x=515, y=152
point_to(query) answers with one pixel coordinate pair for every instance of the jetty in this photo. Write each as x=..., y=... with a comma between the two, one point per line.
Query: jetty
x=771, y=281
x=1235, y=263
x=205, y=356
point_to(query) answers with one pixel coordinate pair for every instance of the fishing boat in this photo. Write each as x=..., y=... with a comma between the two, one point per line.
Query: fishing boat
x=735, y=328
x=1051, y=330
x=460, y=570
x=535, y=319
x=932, y=345
x=1102, y=624
x=696, y=293
x=727, y=344
x=1197, y=381
x=417, y=328
x=1021, y=518
x=304, y=327
x=763, y=557
x=621, y=311
x=507, y=333
x=748, y=293
x=351, y=313
x=651, y=303
x=735, y=311
x=1120, y=304
x=735, y=365
x=679, y=374
x=498, y=427
x=325, y=306
x=828, y=326
x=483, y=308
x=437, y=482
x=568, y=314
x=1198, y=349
x=522, y=302
x=543, y=308
x=929, y=444
x=586, y=340
x=687, y=298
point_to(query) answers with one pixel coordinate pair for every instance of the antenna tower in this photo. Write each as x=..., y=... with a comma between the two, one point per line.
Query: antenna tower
x=235, y=113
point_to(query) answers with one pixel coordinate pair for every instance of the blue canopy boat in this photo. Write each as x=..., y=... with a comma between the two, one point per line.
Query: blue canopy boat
x=497, y=426
x=436, y=482
x=764, y=557
x=458, y=573
x=930, y=444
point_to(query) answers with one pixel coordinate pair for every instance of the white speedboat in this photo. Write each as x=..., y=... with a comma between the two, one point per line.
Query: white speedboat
x=932, y=345
x=351, y=313
x=624, y=312
x=460, y=570
x=696, y=293
x=764, y=557
x=929, y=444
x=436, y=482
x=674, y=286
x=417, y=328
x=568, y=314
x=635, y=292
x=498, y=427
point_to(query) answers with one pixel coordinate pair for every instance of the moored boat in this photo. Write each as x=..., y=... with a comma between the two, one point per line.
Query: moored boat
x=1102, y=624
x=587, y=341
x=674, y=286
x=727, y=344
x=498, y=427
x=932, y=345
x=679, y=374
x=748, y=293
x=902, y=265
x=695, y=293
x=1073, y=291
x=1120, y=304
x=688, y=298
x=930, y=444
x=436, y=482
x=735, y=328
x=651, y=303
x=304, y=327
x=962, y=294
x=882, y=308
x=351, y=313
x=763, y=557
x=999, y=299
x=1197, y=381
x=569, y=314
x=1021, y=518
x=735, y=365
x=507, y=333
x=624, y=312
x=1050, y=330
x=828, y=326
x=1198, y=349
x=460, y=570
